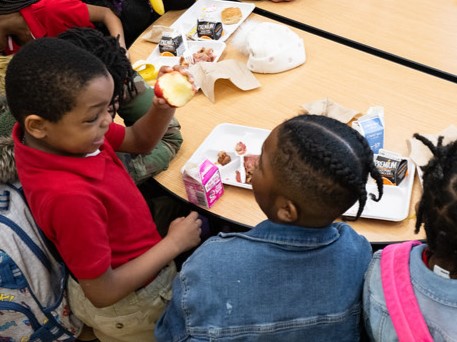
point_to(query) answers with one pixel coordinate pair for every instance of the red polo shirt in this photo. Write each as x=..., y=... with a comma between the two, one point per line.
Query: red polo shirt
x=49, y=18
x=89, y=207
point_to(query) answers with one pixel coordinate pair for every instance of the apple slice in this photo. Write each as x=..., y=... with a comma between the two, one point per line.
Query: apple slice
x=175, y=88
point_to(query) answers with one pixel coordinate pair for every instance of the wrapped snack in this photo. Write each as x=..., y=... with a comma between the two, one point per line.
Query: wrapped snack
x=157, y=32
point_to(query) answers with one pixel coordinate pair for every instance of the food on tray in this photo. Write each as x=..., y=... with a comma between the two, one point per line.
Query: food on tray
x=223, y=158
x=204, y=54
x=231, y=15
x=175, y=88
x=250, y=164
x=240, y=148
x=167, y=54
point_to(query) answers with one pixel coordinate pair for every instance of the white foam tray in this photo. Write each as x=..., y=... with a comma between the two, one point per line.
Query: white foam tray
x=224, y=137
x=188, y=20
x=394, y=204
x=157, y=60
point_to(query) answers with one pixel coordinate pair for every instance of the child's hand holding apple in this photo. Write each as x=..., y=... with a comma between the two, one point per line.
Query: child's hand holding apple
x=174, y=86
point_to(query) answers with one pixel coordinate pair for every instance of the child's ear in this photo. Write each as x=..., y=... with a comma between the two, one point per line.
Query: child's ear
x=287, y=211
x=35, y=126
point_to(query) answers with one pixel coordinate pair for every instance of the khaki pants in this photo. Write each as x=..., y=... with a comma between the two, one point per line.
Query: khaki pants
x=133, y=318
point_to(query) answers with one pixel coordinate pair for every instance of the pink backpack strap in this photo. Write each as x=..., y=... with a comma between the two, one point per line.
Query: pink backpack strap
x=401, y=301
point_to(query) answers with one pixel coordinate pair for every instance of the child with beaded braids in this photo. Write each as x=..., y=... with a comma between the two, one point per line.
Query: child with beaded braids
x=297, y=276
x=410, y=291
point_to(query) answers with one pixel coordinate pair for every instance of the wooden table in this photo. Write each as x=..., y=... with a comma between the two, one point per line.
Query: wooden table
x=418, y=30
x=413, y=102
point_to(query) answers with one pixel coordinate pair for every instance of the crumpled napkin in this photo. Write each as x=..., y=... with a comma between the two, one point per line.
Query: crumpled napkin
x=156, y=32
x=331, y=109
x=206, y=74
x=420, y=154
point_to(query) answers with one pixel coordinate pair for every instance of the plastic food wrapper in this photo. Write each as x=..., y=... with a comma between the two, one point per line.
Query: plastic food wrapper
x=203, y=183
x=156, y=32
x=371, y=126
x=207, y=73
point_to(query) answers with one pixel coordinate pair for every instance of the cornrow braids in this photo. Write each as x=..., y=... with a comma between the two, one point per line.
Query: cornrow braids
x=437, y=210
x=108, y=50
x=327, y=160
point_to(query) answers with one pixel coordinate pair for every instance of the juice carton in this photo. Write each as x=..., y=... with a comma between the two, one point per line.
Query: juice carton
x=171, y=44
x=209, y=25
x=371, y=126
x=392, y=167
x=203, y=183
x=209, y=29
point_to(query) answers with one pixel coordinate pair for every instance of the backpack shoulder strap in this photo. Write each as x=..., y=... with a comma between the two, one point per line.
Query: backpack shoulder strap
x=401, y=301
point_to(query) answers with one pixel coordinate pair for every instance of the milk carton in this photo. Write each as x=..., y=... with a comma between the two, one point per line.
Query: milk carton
x=371, y=126
x=203, y=183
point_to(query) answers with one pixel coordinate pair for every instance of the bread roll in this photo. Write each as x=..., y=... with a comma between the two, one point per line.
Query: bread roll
x=231, y=15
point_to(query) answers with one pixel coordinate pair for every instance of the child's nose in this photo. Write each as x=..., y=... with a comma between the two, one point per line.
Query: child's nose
x=107, y=119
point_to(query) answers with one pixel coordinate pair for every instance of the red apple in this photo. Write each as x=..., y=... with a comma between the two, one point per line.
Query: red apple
x=175, y=88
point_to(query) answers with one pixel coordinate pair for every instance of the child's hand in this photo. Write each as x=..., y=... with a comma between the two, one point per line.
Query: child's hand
x=174, y=91
x=185, y=231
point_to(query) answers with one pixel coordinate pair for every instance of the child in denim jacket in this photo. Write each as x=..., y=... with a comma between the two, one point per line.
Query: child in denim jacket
x=298, y=275
x=425, y=293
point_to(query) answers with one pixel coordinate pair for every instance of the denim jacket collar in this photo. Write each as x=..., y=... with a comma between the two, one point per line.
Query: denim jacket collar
x=289, y=235
x=443, y=288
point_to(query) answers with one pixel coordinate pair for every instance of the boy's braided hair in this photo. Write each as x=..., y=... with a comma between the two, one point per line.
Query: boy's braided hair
x=46, y=76
x=328, y=161
x=437, y=209
x=108, y=50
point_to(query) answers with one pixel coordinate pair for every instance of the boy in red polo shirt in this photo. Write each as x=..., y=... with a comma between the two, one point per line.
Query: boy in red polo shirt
x=80, y=194
x=48, y=18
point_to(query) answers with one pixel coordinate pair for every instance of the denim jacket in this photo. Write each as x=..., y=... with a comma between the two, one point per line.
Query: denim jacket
x=436, y=296
x=273, y=283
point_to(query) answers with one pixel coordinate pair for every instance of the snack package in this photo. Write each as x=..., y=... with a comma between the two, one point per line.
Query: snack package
x=371, y=126
x=203, y=183
x=392, y=166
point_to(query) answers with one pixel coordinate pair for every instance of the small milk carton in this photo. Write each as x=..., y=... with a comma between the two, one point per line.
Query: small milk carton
x=371, y=126
x=203, y=183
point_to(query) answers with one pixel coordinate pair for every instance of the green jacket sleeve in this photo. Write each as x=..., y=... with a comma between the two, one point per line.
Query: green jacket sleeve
x=148, y=165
